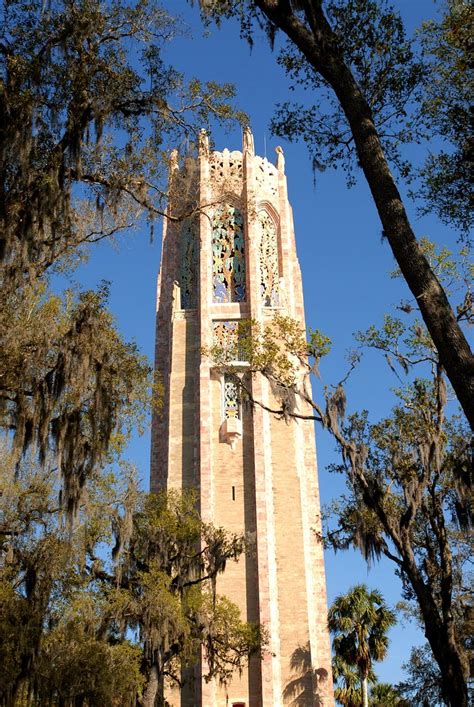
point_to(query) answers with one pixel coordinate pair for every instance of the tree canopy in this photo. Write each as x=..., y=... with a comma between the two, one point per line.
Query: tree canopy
x=107, y=613
x=106, y=593
x=423, y=685
x=445, y=108
x=87, y=103
x=69, y=382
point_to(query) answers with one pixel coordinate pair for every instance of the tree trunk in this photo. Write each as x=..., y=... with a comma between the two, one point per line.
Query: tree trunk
x=454, y=685
x=439, y=627
x=319, y=45
x=438, y=633
x=151, y=690
x=364, y=690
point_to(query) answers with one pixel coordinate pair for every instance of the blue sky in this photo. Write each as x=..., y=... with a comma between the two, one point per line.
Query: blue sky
x=344, y=263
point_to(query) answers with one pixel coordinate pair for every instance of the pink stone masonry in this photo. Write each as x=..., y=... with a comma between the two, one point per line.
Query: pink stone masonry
x=261, y=477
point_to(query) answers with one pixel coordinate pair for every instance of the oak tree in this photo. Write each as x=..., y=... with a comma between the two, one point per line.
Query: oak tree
x=106, y=611
x=357, y=54
x=87, y=104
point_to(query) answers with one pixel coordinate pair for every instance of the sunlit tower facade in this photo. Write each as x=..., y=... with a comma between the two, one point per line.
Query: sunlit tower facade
x=234, y=258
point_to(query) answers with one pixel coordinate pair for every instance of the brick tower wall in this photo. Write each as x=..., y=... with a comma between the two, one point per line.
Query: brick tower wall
x=263, y=479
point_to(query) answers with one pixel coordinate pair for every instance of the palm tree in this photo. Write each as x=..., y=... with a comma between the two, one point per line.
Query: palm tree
x=359, y=621
x=347, y=683
x=383, y=694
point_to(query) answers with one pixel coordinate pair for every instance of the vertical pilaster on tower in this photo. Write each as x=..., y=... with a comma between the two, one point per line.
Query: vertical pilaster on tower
x=230, y=256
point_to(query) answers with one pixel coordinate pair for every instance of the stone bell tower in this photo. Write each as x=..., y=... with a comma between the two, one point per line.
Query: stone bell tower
x=235, y=258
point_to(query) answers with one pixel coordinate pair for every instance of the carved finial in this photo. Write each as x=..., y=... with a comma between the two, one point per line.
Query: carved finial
x=280, y=159
x=203, y=142
x=248, y=145
x=173, y=160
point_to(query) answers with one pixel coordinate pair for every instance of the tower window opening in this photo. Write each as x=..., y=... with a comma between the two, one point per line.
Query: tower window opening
x=188, y=275
x=228, y=255
x=233, y=493
x=228, y=340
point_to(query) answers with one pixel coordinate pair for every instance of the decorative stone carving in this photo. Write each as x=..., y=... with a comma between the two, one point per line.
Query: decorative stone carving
x=225, y=171
x=231, y=398
x=226, y=337
x=231, y=428
x=188, y=259
x=280, y=159
x=248, y=143
x=231, y=431
x=216, y=167
x=266, y=176
x=269, y=268
x=228, y=255
x=203, y=142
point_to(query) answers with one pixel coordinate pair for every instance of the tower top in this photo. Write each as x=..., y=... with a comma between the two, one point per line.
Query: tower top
x=226, y=172
x=248, y=148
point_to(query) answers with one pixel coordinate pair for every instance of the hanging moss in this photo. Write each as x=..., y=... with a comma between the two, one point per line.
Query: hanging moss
x=69, y=383
x=68, y=81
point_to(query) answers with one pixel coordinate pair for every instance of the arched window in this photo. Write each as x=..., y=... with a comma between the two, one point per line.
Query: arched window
x=269, y=269
x=188, y=263
x=228, y=255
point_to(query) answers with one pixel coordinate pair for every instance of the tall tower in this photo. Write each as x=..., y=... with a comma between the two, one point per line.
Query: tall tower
x=234, y=259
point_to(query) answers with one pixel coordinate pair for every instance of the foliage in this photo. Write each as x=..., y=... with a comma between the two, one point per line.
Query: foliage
x=446, y=110
x=369, y=94
x=383, y=694
x=409, y=499
x=409, y=480
x=347, y=689
x=372, y=41
x=162, y=576
x=359, y=622
x=69, y=382
x=278, y=350
x=87, y=102
x=79, y=625
x=424, y=686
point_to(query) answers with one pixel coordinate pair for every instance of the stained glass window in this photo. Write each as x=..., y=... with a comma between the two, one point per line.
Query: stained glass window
x=231, y=398
x=188, y=266
x=228, y=255
x=269, y=270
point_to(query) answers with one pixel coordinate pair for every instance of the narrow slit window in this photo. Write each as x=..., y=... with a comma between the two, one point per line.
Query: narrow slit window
x=188, y=275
